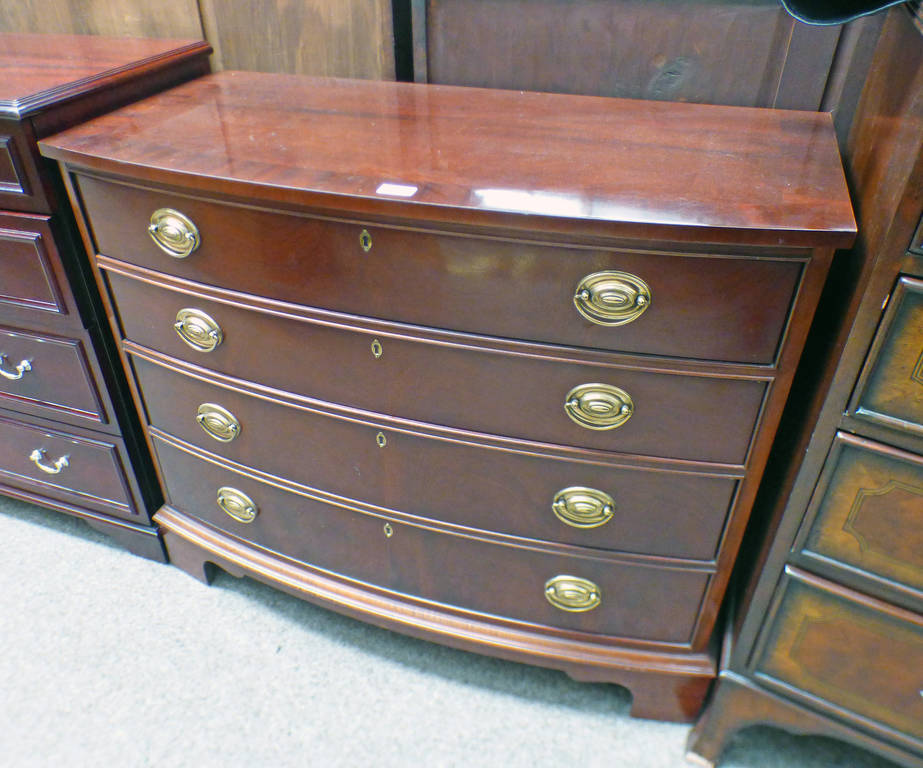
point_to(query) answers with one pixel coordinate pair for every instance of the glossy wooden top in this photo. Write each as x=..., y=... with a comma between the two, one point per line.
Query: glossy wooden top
x=37, y=71
x=618, y=167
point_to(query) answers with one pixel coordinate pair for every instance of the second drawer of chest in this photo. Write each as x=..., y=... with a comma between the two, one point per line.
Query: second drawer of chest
x=506, y=487
x=541, y=393
x=532, y=584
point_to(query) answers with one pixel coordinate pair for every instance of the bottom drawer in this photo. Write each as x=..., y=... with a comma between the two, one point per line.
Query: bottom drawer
x=855, y=653
x=83, y=469
x=489, y=575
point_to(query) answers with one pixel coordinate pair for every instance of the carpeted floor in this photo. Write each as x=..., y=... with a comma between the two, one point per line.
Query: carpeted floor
x=108, y=659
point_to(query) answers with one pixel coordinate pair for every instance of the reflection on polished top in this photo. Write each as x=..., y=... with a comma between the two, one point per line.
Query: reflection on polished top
x=620, y=167
x=36, y=70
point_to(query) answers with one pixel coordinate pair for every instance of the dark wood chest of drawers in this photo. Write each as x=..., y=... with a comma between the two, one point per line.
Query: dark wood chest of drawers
x=496, y=369
x=69, y=438
x=828, y=636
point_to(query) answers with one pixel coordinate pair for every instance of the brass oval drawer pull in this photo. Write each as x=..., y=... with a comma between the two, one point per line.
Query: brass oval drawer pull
x=37, y=457
x=571, y=593
x=237, y=504
x=174, y=232
x=599, y=406
x=612, y=298
x=24, y=367
x=217, y=422
x=581, y=507
x=198, y=330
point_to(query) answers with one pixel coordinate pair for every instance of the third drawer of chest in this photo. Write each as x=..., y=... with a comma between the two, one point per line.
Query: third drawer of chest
x=585, y=498
x=532, y=392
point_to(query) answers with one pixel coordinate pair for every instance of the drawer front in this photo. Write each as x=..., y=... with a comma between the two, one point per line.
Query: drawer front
x=869, y=511
x=712, y=308
x=481, y=575
x=892, y=392
x=73, y=466
x=34, y=285
x=482, y=486
x=19, y=187
x=855, y=653
x=48, y=375
x=704, y=418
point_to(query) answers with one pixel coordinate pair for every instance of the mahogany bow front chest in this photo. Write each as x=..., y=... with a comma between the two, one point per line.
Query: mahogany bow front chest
x=496, y=369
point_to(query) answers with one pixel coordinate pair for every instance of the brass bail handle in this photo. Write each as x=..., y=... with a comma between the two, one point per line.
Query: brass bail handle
x=237, y=504
x=218, y=423
x=572, y=593
x=612, y=298
x=173, y=232
x=598, y=406
x=198, y=330
x=37, y=457
x=19, y=370
x=582, y=507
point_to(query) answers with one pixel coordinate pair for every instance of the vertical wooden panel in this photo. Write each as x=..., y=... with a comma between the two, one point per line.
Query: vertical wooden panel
x=744, y=52
x=129, y=18
x=344, y=38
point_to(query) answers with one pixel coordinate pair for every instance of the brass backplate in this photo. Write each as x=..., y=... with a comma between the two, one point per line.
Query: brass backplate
x=599, y=406
x=581, y=507
x=173, y=232
x=217, y=422
x=237, y=504
x=612, y=298
x=572, y=593
x=198, y=330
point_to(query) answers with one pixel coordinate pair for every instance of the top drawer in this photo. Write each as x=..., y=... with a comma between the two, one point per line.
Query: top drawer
x=724, y=308
x=891, y=388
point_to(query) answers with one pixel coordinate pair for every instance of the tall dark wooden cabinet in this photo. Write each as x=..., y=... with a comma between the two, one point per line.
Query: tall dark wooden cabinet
x=828, y=636
x=67, y=439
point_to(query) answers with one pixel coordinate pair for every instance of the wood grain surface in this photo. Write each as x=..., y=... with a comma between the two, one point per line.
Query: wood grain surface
x=740, y=53
x=713, y=173
x=117, y=18
x=354, y=38
x=36, y=70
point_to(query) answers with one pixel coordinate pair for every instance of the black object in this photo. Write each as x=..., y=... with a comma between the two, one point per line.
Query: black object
x=834, y=11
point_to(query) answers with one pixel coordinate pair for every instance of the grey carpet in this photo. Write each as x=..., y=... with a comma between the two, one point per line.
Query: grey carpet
x=108, y=659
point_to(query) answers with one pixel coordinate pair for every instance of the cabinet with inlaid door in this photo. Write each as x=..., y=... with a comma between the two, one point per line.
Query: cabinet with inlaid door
x=388, y=362
x=828, y=636
x=68, y=439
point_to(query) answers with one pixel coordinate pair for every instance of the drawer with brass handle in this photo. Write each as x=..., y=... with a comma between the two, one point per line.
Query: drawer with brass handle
x=863, y=656
x=73, y=466
x=549, y=394
x=552, y=586
x=49, y=376
x=578, y=497
x=632, y=301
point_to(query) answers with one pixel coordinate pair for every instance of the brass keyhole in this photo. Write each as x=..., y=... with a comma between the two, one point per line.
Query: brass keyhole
x=389, y=531
x=365, y=240
x=381, y=440
x=377, y=349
